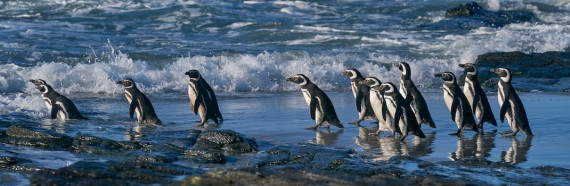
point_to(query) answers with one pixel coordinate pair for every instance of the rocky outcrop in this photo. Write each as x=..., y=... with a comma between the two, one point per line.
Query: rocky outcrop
x=225, y=140
x=17, y=135
x=472, y=15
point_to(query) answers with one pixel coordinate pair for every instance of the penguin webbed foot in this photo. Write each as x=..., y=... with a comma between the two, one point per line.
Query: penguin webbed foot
x=357, y=123
x=312, y=128
x=506, y=132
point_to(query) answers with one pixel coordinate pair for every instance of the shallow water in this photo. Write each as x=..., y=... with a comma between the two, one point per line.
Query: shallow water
x=281, y=118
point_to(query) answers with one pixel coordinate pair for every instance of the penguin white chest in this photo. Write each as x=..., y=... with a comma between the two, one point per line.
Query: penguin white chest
x=448, y=97
x=130, y=99
x=469, y=91
x=192, y=93
x=47, y=101
x=376, y=103
x=307, y=96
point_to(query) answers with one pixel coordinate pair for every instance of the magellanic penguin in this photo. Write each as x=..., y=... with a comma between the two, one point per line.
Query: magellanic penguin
x=139, y=103
x=376, y=102
x=361, y=96
x=413, y=96
x=477, y=97
x=399, y=111
x=202, y=98
x=457, y=104
x=59, y=106
x=321, y=108
x=511, y=105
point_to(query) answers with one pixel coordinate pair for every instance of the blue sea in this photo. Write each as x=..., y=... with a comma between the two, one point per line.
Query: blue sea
x=246, y=49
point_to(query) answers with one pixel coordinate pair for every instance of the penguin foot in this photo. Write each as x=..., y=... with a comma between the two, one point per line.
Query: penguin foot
x=506, y=132
x=454, y=134
x=357, y=123
x=372, y=134
x=199, y=125
x=311, y=128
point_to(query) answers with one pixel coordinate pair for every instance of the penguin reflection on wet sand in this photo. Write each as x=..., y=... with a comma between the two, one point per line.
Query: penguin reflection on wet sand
x=457, y=104
x=511, y=105
x=59, y=106
x=412, y=95
x=202, y=98
x=321, y=108
x=139, y=103
x=476, y=96
x=361, y=95
x=397, y=112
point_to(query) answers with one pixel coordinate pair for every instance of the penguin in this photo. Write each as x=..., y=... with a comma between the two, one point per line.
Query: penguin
x=476, y=96
x=361, y=96
x=510, y=104
x=457, y=104
x=412, y=95
x=321, y=108
x=59, y=106
x=397, y=112
x=139, y=103
x=376, y=101
x=203, y=101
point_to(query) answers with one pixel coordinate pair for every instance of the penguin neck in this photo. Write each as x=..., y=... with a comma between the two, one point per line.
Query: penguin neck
x=405, y=76
x=506, y=79
x=356, y=79
x=471, y=75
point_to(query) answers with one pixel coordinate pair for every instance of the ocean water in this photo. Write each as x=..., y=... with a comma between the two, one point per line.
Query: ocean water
x=246, y=49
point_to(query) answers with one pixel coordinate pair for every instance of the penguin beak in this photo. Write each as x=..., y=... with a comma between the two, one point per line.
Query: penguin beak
x=438, y=75
x=120, y=82
x=345, y=73
x=494, y=70
x=363, y=82
x=289, y=79
x=32, y=81
x=187, y=73
x=462, y=65
x=397, y=65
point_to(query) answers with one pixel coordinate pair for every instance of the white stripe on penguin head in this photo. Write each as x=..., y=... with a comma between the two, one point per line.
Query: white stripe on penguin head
x=304, y=80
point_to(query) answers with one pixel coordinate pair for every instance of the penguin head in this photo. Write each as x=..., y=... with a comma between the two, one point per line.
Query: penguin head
x=128, y=83
x=299, y=79
x=351, y=73
x=41, y=85
x=405, y=68
x=446, y=76
x=371, y=82
x=387, y=87
x=193, y=74
x=504, y=73
x=470, y=68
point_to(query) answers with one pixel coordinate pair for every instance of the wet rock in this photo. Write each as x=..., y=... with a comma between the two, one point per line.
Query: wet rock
x=202, y=156
x=113, y=173
x=472, y=15
x=88, y=144
x=226, y=140
x=152, y=157
x=38, y=138
x=553, y=65
x=285, y=177
x=7, y=161
x=553, y=172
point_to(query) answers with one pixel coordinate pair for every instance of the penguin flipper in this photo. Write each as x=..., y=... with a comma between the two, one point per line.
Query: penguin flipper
x=358, y=99
x=313, y=107
x=132, y=108
x=197, y=103
x=397, y=117
x=506, y=105
x=54, y=110
x=384, y=110
x=453, y=108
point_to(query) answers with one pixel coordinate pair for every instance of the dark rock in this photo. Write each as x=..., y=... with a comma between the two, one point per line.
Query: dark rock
x=152, y=157
x=285, y=177
x=18, y=135
x=225, y=140
x=7, y=161
x=112, y=173
x=472, y=15
x=95, y=145
x=202, y=156
x=554, y=65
